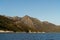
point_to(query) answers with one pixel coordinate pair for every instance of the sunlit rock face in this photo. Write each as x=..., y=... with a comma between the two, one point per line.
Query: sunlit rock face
x=26, y=20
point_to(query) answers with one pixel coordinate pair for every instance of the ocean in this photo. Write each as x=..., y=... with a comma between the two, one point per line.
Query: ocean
x=29, y=36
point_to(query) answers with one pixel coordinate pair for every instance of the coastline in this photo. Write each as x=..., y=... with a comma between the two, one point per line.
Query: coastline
x=2, y=31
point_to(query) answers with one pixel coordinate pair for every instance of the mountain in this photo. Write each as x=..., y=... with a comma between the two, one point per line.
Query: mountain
x=26, y=23
x=7, y=24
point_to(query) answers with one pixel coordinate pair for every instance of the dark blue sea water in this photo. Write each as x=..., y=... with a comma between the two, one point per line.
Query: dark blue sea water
x=29, y=36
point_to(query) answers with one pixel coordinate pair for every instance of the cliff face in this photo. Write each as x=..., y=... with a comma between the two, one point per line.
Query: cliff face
x=26, y=23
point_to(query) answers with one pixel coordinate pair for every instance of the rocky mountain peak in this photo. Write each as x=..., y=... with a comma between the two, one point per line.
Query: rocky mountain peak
x=26, y=17
x=27, y=20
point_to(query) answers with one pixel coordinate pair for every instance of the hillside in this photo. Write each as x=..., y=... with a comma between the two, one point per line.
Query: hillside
x=26, y=23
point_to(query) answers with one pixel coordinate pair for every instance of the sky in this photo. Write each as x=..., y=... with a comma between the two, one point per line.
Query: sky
x=44, y=10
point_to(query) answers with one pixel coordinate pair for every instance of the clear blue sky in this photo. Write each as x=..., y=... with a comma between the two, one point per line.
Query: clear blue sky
x=45, y=10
